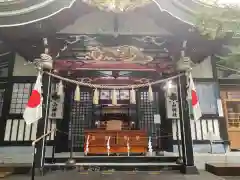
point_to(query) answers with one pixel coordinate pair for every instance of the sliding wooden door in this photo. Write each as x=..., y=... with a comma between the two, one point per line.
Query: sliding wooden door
x=231, y=105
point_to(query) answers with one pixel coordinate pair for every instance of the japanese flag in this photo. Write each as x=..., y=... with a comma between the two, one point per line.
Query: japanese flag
x=33, y=111
x=192, y=95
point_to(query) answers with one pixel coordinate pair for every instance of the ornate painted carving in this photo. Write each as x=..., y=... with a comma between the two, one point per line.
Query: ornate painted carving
x=118, y=53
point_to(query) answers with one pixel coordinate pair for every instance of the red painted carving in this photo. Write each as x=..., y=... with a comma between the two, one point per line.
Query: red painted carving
x=65, y=65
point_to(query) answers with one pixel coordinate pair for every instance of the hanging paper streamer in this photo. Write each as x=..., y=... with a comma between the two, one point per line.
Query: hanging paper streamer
x=150, y=94
x=114, y=97
x=128, y=147
x=95, y=97
x=150, y=150
x=108, y=145
x=133, y=96
x=87, y=146
x=77, y=94
x=60, y=91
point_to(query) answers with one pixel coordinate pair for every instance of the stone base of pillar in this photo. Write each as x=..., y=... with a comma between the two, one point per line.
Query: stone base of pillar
x=189, y=170
x=39, y=171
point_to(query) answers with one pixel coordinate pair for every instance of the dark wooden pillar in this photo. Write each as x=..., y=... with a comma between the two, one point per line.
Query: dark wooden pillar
x=43, y=123
x=132, y=115
x=138, y=109
x=165, y=128
x=188, y=166
x=63, y=125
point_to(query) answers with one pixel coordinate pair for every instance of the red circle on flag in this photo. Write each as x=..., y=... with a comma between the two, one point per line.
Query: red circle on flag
x=34, y=100
x=194, y=98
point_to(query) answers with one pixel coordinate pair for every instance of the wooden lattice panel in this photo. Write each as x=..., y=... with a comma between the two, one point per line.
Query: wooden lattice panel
x=81, y=118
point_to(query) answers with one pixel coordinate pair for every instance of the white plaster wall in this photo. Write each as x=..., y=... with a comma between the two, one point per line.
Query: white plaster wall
x=203, y=70
x=200, y=129
x=23, y=70
x=17, y=130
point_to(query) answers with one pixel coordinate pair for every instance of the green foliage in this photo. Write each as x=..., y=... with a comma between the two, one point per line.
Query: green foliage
x=215, y=21
x=232, y=60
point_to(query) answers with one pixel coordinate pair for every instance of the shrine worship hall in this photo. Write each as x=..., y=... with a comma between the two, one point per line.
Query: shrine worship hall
x=117, y=83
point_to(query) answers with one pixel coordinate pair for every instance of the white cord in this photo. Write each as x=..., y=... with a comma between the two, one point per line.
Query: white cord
x=112, y=87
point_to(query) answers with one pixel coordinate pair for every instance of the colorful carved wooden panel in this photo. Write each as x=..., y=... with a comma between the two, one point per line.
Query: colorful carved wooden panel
x=119, y=141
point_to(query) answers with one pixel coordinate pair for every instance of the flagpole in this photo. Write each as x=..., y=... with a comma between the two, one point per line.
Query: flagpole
x=46, y=112
x=45, y=58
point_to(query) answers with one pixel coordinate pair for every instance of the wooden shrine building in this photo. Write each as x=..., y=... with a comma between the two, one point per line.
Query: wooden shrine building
x=108, y=45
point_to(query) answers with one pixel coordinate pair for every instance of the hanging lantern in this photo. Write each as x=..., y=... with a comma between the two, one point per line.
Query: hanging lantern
x=133, y=96
x=77, y=94
x=114, y=97
x=60, y=91
x=95, y=97
x=150, y=93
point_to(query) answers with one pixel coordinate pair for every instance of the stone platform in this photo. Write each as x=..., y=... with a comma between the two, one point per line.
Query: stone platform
x=224, y=169
x=108, y=175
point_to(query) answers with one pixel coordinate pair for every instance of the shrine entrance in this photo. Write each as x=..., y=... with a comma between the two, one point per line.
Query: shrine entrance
x=144, y=116
x=120, y=65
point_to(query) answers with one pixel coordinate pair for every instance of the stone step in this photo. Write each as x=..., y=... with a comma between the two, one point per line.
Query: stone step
x=115, y=159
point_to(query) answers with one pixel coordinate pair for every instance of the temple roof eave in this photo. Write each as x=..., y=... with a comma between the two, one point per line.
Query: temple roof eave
x=182, y=10
x=34, y=13
x=27, y=16
x=178, y=27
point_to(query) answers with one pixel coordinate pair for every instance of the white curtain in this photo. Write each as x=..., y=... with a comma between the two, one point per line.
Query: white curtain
x=207, y=93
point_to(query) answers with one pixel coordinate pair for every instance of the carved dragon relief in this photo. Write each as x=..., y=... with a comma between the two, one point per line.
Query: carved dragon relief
x=126, y=54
